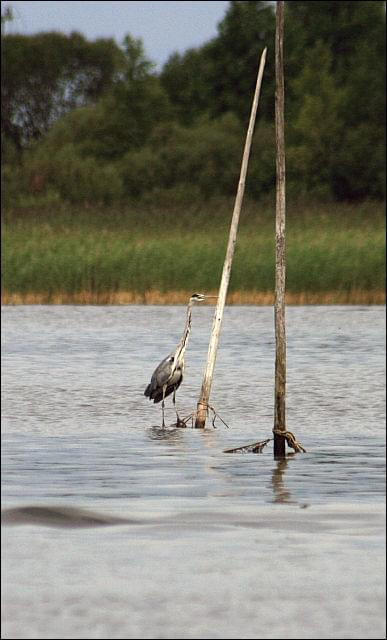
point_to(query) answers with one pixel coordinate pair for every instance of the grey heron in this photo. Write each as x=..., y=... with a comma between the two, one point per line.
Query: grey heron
x=168, y=376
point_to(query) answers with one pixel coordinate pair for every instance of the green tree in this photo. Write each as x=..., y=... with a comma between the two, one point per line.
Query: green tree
x=335, y=107
x=48, y=74
x=247, y=28
x=220, y=76
x=77, y=102
x=135, y=106
x=353, y=86
x=122, y=119
x=77, y=158
x=315, y=134
x=187, y=80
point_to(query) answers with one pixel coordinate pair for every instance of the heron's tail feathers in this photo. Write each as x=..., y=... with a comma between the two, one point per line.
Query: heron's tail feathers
x=156, y=394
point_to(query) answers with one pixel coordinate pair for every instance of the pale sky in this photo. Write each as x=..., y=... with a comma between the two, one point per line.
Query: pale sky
x=164, y=27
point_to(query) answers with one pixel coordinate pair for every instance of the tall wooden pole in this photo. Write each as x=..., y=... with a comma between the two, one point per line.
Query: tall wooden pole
x=279, y=304
x=213, y=345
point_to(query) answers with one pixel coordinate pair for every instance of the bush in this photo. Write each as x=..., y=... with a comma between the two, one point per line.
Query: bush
x=75, y=179
x=205, y=157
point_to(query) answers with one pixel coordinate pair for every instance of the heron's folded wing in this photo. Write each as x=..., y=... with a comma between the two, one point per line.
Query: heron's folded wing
x=164, y=372
x=172, y=385
x=161, y=377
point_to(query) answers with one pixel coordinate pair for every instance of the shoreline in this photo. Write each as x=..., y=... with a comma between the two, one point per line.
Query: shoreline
x=354, y=297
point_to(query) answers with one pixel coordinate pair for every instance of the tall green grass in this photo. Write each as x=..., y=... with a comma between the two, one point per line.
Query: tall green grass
x=328, y=248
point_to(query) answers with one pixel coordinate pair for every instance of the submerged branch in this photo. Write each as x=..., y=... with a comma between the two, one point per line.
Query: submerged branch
x=255, y=447
x=192, y=416
x=291, y=440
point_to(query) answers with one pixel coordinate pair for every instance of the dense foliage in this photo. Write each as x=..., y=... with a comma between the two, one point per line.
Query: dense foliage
x=92, y=122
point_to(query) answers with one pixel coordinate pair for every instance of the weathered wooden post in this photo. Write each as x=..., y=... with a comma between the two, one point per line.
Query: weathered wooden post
x=279, y=303
x=281, y=435
x=202, y=405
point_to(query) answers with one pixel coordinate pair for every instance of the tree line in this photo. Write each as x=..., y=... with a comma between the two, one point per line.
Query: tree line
x=93, y=122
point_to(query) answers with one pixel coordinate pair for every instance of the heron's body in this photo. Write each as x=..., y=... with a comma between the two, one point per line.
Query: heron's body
x=165, y=374
x=168, y=376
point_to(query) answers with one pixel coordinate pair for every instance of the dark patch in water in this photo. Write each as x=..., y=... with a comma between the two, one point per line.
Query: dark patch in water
x=60, y=517
x=292, y=520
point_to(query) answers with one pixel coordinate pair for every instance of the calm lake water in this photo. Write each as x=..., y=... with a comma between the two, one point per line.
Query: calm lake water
x=115, y=528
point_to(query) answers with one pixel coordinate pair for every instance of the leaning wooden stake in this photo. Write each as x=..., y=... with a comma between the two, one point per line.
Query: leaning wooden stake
x=213, y=346
x=279, y=304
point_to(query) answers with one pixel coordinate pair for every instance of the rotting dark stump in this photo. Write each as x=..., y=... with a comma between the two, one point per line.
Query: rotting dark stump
x=180, y=424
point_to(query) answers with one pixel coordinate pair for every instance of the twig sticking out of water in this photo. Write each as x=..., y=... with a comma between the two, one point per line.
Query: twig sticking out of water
x=291, y=440
x=255, y=447
x=193, y=415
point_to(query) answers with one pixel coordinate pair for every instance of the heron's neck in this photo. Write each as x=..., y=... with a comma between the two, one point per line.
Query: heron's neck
x=184, y=338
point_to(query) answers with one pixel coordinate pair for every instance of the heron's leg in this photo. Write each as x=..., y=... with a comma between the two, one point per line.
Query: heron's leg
x=174, y=404
x=179, y=422
x=163, y=404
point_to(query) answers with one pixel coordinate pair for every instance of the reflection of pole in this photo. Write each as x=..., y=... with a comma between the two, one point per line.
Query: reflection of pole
x=279, y=305
x=213, y=346
x=277, y=481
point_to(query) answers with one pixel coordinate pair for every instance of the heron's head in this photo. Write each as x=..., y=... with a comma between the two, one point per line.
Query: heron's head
x=199, y=297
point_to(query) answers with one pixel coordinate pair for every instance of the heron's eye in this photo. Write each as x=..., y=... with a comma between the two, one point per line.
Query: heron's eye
x=171, y=359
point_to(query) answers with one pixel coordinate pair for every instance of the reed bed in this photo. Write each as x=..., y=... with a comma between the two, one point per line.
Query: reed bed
x=180, y=297
x=121, y=257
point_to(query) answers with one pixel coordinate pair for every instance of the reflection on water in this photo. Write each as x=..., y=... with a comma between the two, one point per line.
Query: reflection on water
x=280, y=493
x=163, y=433
x=219, y=532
